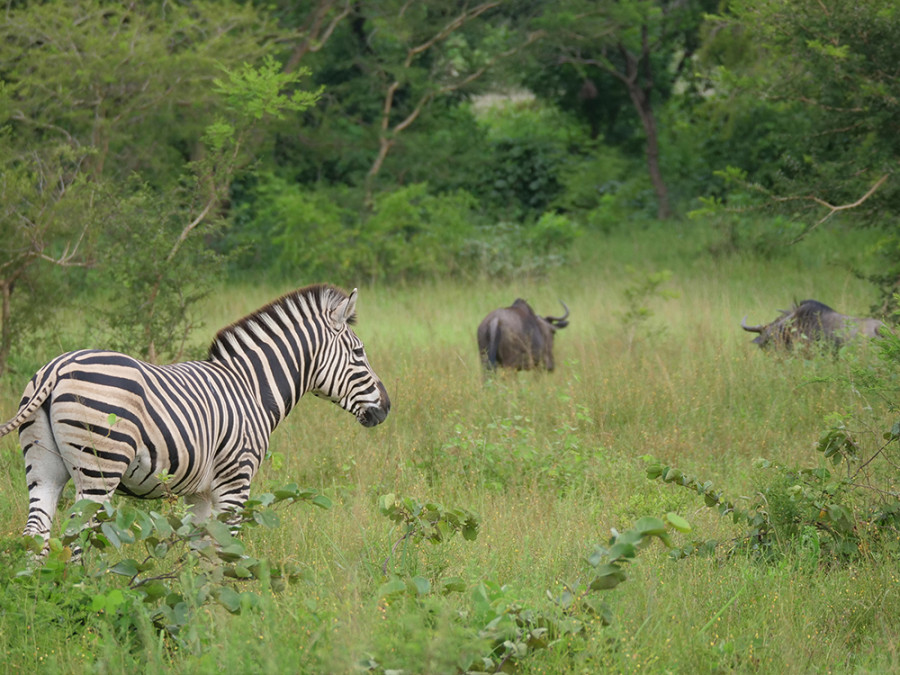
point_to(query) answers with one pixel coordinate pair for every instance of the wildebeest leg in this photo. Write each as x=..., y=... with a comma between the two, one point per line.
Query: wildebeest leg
x=46, y=475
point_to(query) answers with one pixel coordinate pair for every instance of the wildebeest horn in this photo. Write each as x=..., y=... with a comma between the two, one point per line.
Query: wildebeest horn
x=560, y=321
x=752, y=329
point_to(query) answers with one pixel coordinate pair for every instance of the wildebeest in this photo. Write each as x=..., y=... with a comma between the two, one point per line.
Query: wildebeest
x=516, y=337
x=811, y=322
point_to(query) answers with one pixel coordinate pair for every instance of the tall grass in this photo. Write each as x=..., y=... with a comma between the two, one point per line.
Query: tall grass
x=551, y=462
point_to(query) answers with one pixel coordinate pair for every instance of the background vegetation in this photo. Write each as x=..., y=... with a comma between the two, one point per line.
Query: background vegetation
x=663, y=167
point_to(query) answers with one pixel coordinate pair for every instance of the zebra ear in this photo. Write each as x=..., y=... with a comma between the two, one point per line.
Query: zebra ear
x=345, y=312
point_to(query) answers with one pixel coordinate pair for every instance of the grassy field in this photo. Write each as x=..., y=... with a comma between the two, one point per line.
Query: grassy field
x=551, y=463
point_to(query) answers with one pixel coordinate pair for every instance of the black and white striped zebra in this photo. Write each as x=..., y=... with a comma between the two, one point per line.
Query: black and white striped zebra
x=198, y=429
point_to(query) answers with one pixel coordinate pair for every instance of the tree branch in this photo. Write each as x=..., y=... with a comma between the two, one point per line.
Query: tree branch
x=315, y=36
x=446, y=30
x=831, y=208
x=388, y=134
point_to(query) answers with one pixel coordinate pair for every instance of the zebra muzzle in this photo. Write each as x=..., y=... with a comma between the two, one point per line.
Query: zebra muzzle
x=377, y=412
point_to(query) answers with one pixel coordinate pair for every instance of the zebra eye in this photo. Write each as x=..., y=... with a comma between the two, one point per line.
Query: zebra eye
x=359, y=352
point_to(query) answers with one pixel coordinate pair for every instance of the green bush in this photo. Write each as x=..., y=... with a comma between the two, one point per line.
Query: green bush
x=413, y=234
x=295, y=231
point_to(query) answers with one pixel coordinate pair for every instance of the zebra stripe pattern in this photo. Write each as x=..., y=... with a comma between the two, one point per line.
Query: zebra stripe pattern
x=200, y=429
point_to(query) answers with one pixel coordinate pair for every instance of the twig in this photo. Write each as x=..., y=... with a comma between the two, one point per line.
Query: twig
x=834, y=209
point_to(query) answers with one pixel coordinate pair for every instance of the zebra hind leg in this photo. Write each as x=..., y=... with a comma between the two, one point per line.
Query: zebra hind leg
x=46, y=475
x=96, y=488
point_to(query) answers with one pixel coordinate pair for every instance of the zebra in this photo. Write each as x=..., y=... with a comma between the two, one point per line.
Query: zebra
x=198, y=429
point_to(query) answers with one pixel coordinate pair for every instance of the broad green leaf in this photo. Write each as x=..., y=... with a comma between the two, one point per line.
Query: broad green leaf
x=453, y=585
x=229, y=599
x=607, y=576
x=219, y=531
x=386, y=503
x=154, y=590
x=391, y=588
x=649, y=525
x=127, y=568
x=621, y=550
x=231, y=552
x=111, y=534
x=288, y=492
x=678, y=522
x=322, y=502
x=419, y=585
x=267, y=518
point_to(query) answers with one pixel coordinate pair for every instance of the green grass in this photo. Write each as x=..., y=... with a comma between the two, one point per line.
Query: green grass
x=551, y=462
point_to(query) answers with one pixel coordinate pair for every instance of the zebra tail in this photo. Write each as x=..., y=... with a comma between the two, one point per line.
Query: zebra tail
x=30, y=404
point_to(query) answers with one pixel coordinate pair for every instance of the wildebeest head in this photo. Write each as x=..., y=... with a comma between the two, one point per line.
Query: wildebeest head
x=516, y=337
x=811, y=322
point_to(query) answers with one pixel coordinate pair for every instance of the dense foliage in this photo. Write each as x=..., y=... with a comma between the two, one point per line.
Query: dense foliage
x=428, y=139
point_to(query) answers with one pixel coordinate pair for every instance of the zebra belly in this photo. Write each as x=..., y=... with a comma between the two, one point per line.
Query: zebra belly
x=139, y=480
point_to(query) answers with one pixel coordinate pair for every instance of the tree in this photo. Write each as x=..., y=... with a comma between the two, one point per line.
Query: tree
x=96, y=94
x=836, y=65
x=644, y=45
x=389, y=66
x=42, y=202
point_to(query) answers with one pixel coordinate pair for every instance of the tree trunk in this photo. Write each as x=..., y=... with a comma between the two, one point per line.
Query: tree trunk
x=640, y=86
x=5, y=328
x=645, y=112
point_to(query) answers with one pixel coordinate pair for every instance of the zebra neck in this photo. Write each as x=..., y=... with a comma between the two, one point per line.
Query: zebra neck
x=277, y=374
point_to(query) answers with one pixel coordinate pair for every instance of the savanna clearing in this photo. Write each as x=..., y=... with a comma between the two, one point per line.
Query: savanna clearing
x=551, y=464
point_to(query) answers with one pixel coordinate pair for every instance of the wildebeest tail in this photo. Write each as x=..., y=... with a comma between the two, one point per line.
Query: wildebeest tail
x=493, y=343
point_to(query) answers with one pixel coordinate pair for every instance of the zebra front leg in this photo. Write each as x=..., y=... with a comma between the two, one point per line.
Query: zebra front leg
x=230, y=488
x=46, y=475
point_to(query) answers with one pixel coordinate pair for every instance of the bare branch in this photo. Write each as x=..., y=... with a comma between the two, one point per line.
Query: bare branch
x=315, y=36
x=66, y=258
x=191, y=226
x=831, y=208
x=388, y=134
x=21, y=117
x=447, y=30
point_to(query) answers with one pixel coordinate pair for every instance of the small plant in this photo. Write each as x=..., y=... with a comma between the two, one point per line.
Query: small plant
x=639, y=294
x=419, y=521
x=507, y=452
x=517, y=631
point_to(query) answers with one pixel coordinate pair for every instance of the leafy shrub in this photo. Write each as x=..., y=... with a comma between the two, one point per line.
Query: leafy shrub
x=144, y=573
x=508, y=250
x=294, y=231
x=837, y=509
x=413, y=234
x=495, y=630
x=522, y=178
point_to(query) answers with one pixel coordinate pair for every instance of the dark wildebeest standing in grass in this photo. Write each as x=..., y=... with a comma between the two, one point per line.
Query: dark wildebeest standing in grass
x=812, y=322
x=516, y=337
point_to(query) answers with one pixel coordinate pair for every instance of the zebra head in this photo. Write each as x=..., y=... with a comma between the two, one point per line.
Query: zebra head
x=343, y=374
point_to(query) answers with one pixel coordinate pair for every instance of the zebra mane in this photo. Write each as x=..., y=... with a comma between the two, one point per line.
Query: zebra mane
x=321, y=297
